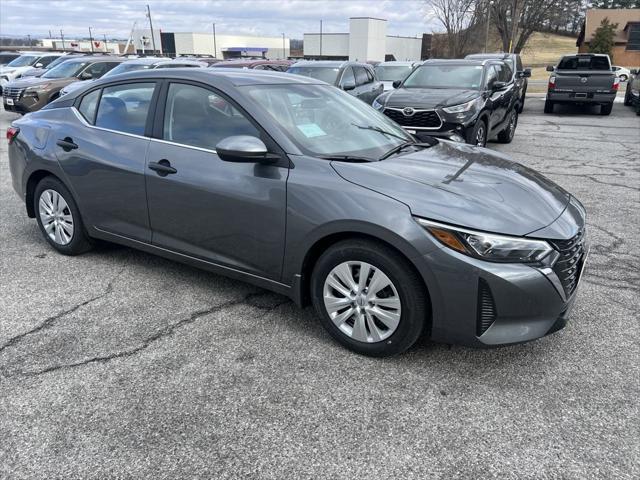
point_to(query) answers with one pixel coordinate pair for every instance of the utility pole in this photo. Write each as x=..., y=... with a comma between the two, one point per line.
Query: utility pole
x=284, y=50
x=320, y=39
x=29, y=39
x=49, y=33
x=62, y=38
x=486, y=35
x=153, y=38
x=514, y=25
x=105, y=42
x=91, y=39
x=215, y=50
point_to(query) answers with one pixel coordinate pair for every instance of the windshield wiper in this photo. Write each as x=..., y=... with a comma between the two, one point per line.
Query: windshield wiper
x=379, y=130
x=347, y=158
x=404, y=145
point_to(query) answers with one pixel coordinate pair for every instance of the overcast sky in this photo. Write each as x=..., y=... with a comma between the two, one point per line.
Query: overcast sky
x=254, y=17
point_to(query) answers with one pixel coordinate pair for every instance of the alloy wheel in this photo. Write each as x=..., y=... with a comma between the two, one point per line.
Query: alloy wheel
x=513, y=122
x=480, y=134
x=56, y=217
x=362, y=301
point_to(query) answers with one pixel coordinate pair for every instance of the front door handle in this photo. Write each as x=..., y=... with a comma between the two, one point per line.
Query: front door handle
x=162, y=168
x=67, y=144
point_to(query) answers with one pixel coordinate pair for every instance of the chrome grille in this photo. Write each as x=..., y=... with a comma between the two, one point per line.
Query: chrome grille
x=12, y=92
x=569, y=265
x=419, y=119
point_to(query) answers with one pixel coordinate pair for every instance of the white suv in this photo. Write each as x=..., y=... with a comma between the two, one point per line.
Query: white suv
x=14, y=69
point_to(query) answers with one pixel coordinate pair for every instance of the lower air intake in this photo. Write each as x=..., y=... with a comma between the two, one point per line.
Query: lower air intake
x=486, y=308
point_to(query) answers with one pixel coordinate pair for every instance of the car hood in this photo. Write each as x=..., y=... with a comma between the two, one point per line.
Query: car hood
x=429, y=97
x=465, y=186
x=35, y=81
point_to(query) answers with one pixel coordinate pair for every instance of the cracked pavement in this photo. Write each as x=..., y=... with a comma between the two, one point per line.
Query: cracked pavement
x=118, y=364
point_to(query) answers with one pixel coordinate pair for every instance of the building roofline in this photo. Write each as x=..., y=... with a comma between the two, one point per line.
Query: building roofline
x=368, y=18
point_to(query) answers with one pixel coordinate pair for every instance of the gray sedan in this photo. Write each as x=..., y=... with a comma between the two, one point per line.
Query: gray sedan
x=298, y=187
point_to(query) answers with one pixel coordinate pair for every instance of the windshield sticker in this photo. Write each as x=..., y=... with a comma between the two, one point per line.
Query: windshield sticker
x=311, y=130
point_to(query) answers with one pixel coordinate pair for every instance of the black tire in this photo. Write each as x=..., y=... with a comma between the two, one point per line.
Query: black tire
x=79, y=241
x=606, y=109
x=506, y=135
x=522, y=99
x=548, y=106
x=627, y=97
x=623, y=78
x=410, y=289
x=473, y=133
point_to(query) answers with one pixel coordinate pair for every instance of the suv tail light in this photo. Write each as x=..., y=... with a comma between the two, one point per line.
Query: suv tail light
x=12, y=132
x=616, y=84
x=552, y=83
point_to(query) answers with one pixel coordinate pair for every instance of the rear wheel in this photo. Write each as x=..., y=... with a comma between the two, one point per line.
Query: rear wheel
x=59, y=218
x=606, y=109
x=521, y=105
x=478, y=134
x=506, y=135
x=627, y=97
x=369, y=298
x=548, y=106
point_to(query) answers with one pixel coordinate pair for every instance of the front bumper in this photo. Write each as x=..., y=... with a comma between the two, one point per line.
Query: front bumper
x=581, y=97
x=24, y=104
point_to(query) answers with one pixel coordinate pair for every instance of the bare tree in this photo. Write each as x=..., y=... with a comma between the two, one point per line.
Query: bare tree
x=516, y=20
x=457, y=17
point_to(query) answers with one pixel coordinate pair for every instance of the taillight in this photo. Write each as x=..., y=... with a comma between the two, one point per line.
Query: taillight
x=552, y=83
x=616, y=84
x=12, y=132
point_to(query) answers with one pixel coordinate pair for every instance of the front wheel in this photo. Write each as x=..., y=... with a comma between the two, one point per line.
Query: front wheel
x=369, y=298
x=627, y=97
x=478, y=134
x=506, y=135
x=59, y=218
x=606, y=109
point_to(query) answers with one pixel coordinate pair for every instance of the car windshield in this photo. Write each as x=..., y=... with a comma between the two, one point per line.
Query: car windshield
x=23, y=61
x=326, y=74
x=446, y=76
x=391, y=73
x=325, y=121
x=65, y=70
x=57, y=62
x=128, y=67
x=584, y=63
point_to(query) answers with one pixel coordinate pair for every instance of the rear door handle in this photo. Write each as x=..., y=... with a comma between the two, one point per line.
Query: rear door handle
x=67, y=144
x=162, y=167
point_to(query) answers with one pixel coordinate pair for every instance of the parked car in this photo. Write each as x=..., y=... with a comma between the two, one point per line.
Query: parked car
x=358, y=79
x=14, y=69
x=39, y=71
x=463, y=100
x=292, y=185
x=622, y=73
x=6, y=57
x=520, y=74
x=582, y=79
x=632, y=93
x=261, y=64
x=389, y=72
x=140, y=64
x=31, y=94
x=208, y=60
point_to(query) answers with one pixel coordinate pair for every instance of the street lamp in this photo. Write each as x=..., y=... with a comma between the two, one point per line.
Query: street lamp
x=486, y=35
x=284, y=50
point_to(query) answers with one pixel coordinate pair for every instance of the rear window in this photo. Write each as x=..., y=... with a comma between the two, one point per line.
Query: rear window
x=584, y=63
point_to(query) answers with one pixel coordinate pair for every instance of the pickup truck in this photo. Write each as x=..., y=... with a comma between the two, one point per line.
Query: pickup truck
x=584, y=79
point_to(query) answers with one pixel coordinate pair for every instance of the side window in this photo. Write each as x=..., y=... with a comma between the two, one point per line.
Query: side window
x=370, y=75
x=198, y=117
x=519, y=66
x=124, y=108
x=507, y=73
x=89, y=105
x=348, y=76
x=492, y=75
x=46, y=60
x=96, y=69
x=361, y=75
x=260, y=67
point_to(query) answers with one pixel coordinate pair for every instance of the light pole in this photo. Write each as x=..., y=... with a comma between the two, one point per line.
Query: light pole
x=486, y=35
x=91, y=39
x=320, y=39
x=105, y=42
x=153, y=37
x=215, y=50
x=284, y=50
x=62, y=38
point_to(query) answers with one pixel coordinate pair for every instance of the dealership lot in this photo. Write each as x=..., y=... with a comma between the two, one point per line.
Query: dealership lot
x=118, y=363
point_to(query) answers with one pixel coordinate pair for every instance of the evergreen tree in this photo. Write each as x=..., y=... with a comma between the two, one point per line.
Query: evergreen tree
x=603, y=38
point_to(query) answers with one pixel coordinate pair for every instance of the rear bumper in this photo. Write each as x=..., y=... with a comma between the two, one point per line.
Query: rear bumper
x=581, y=97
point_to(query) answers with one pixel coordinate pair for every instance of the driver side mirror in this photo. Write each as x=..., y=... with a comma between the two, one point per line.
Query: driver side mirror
x=396, y=83
x=244, y=149
x=550, y=68
x=526, y=73
x=634, y=71
x=348, y=85
x=86, y=76
x=497, y=86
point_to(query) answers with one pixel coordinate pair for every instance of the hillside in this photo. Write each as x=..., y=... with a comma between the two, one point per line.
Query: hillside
x=545, y=49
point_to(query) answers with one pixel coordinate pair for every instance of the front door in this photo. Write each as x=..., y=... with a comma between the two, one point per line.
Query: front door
x=231, y=214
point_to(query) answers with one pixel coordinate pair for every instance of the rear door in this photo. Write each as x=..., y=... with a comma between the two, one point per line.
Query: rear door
x=231, y=214
x=102, y=148
x=365, y=88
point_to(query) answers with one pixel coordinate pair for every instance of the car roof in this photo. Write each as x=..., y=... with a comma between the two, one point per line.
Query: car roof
x=146, y=60
x=94, y=59
x=248, y=62
x=396, y=62
x=328, y=63
x=490, y=56
x=231, y=77
x=456, y=61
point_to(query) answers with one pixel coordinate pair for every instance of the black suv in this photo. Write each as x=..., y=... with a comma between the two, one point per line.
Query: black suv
x=520, y=74
x=464, y=100
x=358, y=79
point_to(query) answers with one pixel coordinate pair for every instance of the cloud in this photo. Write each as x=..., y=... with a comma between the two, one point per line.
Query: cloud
x=252, y=17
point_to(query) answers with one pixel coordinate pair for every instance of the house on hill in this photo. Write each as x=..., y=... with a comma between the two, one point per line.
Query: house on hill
x=626, y=51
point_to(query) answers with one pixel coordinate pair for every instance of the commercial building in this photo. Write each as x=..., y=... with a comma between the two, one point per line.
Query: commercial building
x=220, y=45
x=626, y=51
x=367, y=40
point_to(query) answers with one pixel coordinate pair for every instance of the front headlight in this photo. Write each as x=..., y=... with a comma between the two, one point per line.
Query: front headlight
x=377, y=105
x=463, y=107
x=491, y=247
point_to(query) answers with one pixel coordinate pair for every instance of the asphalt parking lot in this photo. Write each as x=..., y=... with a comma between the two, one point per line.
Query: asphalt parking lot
x=121, y=364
